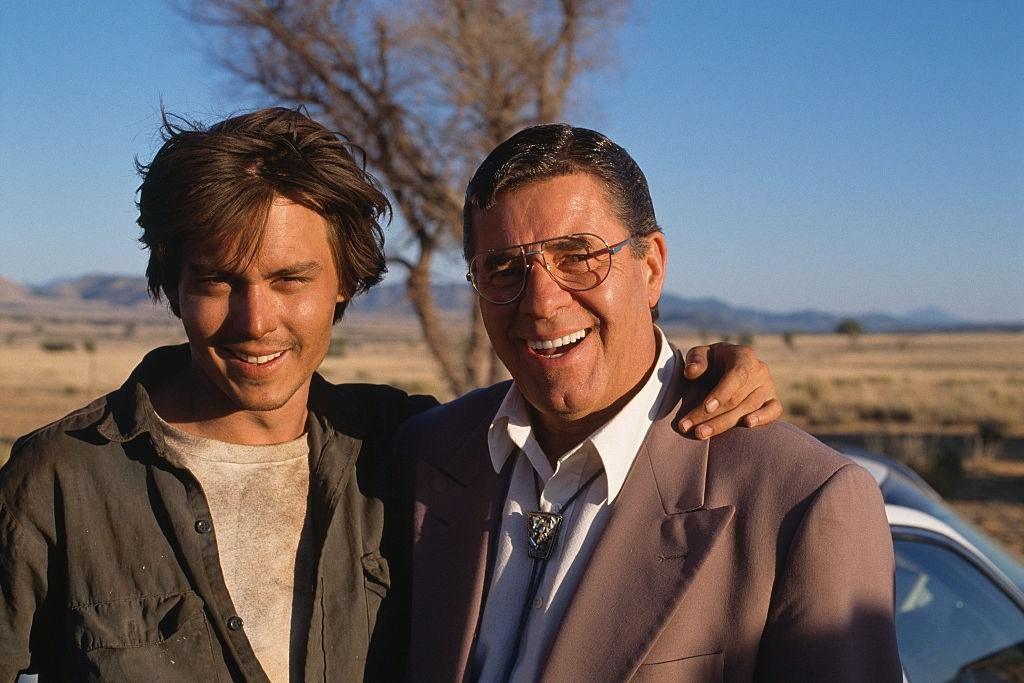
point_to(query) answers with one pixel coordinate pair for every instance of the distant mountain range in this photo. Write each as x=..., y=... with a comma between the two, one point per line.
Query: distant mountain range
x=100, y=296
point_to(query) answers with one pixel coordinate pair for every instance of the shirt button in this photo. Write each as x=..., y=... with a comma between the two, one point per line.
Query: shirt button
x=538, y=603
x=235, y=623
x=204, y=526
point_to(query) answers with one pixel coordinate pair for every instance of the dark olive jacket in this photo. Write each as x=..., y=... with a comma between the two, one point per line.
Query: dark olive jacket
x=109, y=568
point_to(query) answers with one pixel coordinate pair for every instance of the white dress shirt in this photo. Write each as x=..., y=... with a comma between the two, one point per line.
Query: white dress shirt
x=612, y=446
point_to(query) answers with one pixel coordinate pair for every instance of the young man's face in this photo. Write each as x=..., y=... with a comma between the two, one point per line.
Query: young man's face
x=579, y=381
x=259, y=329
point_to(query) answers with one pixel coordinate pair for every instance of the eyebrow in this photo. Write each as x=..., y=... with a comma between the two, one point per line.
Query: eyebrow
x=300, y=268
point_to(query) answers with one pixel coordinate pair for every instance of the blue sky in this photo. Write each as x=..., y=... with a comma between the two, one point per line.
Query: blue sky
x=847, y=156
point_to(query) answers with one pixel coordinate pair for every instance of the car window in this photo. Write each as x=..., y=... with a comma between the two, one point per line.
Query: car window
x=952, y=621
x=901, y=490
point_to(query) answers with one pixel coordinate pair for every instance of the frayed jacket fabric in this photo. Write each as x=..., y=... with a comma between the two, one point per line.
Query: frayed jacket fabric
x=109, y=566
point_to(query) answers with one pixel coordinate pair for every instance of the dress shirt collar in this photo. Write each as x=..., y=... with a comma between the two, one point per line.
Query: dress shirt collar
x=616, y=442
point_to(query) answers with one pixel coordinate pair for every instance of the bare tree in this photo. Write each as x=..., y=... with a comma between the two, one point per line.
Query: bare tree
x=426, y=88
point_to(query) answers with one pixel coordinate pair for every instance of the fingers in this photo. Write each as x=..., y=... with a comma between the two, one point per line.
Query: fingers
x=769, y=412
x=737, y=382
x=760, y=407
x=721, y=416
x=740, y=372
x=745, y=394
x=696, y=362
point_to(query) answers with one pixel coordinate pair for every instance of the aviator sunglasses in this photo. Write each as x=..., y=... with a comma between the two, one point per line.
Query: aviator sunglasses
x=578, y=262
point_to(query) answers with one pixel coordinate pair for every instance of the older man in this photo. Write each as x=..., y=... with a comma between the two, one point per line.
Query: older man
x=228, y=514
x=565, y=531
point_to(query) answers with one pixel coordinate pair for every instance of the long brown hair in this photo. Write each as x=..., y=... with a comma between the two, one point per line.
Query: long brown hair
x=212, y=188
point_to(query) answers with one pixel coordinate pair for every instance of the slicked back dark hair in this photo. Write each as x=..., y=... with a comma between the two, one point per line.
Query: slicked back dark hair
x=212, y=187
x=547, y=151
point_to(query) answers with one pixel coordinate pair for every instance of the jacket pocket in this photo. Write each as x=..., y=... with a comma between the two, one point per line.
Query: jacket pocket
x=164, y=637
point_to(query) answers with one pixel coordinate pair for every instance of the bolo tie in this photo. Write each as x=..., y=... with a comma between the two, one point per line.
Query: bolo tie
x=542, y=535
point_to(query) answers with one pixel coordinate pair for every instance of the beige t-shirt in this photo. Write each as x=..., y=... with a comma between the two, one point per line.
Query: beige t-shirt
x=257, y=497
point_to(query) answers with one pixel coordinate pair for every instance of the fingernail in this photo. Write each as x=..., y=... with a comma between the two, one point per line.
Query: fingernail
x=712, y=405
x=752, y=420
x=687, y=425
x=703, y=431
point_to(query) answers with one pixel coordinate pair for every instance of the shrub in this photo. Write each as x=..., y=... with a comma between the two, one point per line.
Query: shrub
x=51, y=346
x=988, y=442
x=947, y=470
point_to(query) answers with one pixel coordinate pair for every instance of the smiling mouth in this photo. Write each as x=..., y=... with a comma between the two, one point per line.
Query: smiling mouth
x=256, y=360
x=556, y=347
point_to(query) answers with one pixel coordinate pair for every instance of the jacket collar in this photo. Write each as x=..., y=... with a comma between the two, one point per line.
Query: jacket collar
x=130, y=410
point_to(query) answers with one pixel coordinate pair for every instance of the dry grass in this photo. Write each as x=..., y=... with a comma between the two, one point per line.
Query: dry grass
x=950, y=405
x=961, y=386
x=913, y=383
x=991, y=496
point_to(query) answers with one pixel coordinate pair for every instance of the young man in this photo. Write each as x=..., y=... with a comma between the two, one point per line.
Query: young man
x=565, y=530
x=227, y=514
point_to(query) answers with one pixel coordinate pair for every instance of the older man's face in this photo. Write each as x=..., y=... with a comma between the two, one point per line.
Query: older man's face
x=581, y=383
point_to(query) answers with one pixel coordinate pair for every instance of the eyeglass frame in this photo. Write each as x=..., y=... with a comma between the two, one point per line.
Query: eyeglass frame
x=612, y=249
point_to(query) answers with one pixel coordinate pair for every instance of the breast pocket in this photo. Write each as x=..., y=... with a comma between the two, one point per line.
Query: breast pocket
x=698, y=669
x=164, y=637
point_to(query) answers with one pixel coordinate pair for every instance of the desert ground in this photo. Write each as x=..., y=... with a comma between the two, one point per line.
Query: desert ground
x=926, y=399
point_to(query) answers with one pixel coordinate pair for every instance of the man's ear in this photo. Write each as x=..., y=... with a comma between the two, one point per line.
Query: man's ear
x=655, y=261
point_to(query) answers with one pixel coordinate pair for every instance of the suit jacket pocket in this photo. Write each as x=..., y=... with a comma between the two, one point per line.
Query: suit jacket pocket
x=698, y=669
x=162, y=637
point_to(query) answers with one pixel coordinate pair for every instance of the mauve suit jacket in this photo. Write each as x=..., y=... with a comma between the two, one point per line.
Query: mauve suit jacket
x=758, y=555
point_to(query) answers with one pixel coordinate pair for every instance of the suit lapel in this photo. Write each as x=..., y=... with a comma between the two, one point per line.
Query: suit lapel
x=458, y=502
x=657, y=537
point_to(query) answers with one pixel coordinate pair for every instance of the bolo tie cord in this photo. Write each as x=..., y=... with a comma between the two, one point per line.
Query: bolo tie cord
x=537, y=570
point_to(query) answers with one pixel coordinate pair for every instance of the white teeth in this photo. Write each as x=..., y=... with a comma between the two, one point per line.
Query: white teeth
x=556, y=343
x=259, y=360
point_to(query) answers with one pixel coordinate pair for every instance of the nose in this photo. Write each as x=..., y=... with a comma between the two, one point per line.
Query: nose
x=252, y=312
x=542, y=295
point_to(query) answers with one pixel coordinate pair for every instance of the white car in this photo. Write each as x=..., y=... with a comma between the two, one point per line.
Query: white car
x=959, y=597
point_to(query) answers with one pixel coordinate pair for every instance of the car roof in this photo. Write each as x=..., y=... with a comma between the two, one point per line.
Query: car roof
x=925, y=527
x=901, y=516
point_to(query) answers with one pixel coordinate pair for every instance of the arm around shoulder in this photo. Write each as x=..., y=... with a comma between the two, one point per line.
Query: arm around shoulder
x=832, y=614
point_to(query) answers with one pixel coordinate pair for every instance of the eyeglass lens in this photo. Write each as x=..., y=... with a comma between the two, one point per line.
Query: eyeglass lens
x=579, y=262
